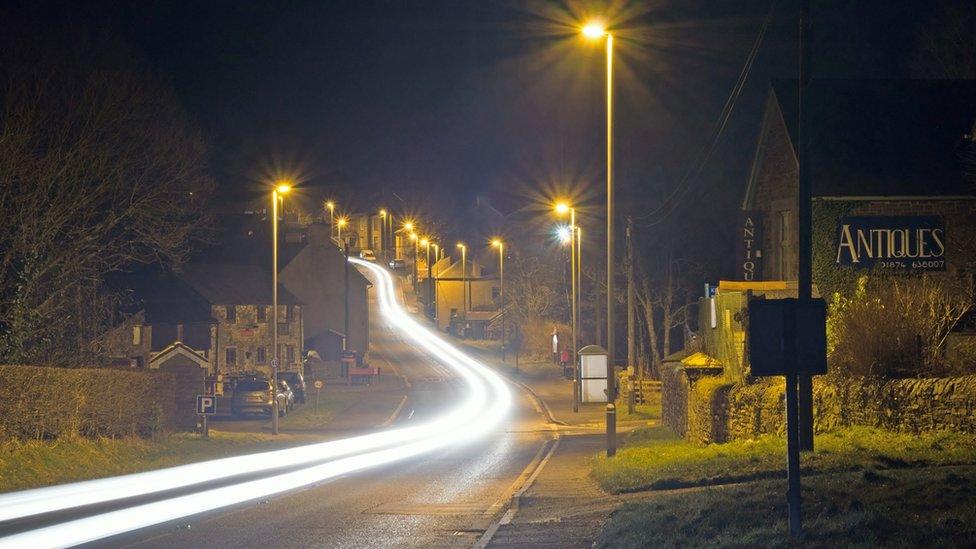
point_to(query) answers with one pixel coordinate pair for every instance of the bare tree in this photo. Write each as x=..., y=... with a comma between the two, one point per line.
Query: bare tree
x=99, y=171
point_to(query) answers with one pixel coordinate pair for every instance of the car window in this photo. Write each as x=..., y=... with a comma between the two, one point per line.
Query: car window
x=253, y=386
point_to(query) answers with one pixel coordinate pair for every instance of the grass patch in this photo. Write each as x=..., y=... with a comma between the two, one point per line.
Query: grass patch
x=306, y=418
x=929, y=507
x=653, y=459
x=35, y=463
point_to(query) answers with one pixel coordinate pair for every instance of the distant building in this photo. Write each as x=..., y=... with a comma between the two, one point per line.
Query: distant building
x=315, y=270
x=466, y=302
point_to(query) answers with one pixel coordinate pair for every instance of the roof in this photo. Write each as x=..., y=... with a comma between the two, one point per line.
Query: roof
x=885, y=137
x=165, y=298
x=225, y=284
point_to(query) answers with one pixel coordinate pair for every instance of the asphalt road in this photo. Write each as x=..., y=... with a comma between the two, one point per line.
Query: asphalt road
x=445, y=498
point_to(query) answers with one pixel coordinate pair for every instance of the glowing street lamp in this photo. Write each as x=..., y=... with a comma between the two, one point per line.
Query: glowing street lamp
x=498, y=243
x=595, y=31
x=332, y=228
x=339, y=225
x=464, y=286
x=281, y=189
x=563, y=208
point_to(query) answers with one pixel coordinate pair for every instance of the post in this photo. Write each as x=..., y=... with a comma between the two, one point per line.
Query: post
x=317, y=391
x=612, y=375
x=804, y=219
x=631, y=318
x=206, y=428
x=572, y=275
x=793, y=497
x=274, y=312
x=501, y=283
x=345, y=308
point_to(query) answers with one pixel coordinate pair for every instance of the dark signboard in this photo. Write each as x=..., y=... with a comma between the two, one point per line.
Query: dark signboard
x=787, y=336
x=748, y=246
x=906, y=243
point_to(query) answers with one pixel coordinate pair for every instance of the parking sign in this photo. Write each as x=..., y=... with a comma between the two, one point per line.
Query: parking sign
x=206, y=405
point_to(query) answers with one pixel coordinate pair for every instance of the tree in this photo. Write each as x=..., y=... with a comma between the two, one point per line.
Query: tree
x=100, y=171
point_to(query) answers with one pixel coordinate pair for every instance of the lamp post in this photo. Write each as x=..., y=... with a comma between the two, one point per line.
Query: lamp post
x=464, y=286
x=279, y=191
x=498, y=243
x=383, y=243
x=332, y=228
x=425, y=242
x=433, y=291
x=596, y=31
x=342, y=223
x=416, y=254
x=563, y=208
x=408, y=227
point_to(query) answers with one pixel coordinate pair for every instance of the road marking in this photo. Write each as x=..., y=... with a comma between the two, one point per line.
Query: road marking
x=389, y=421
x=411, y=414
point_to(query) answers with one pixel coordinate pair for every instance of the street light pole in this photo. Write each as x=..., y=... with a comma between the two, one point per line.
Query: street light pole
x=501, y=283
x=464, y=286
x=332, y=226
x=574, y=294
x=596, y=31
x=279, y=190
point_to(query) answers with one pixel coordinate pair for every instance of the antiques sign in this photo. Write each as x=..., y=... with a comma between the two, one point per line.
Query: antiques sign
x=748, y=246
x=909, y=243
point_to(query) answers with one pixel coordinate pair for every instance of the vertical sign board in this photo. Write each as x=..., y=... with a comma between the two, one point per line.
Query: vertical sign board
x=748, y=246
x=206, y=405
x=772, y=322
x=593, y=374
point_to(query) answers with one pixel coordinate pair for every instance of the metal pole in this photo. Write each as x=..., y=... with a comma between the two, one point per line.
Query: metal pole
x=805, y=220
x=464, y=286
x=274, y=312
x=631, y=318
x=572, y=275
x=611, y=370
x=345, y=308
x=501, y=277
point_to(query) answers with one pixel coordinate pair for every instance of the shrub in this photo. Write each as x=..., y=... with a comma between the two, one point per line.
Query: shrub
x=43, y=403
x=896, y=326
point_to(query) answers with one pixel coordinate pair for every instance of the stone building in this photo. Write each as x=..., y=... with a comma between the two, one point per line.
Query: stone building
x=888, y=161
x=465, y=301
x=239, y=297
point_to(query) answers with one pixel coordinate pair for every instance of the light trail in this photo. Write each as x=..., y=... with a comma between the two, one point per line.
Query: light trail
x=487, y=403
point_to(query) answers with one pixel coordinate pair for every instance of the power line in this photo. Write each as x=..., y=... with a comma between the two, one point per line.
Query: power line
x=671, y=202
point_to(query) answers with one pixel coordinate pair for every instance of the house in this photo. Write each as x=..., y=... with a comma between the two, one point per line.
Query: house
x=315, y=271
x=240, y=298
x=169, y=325
x=465, y=302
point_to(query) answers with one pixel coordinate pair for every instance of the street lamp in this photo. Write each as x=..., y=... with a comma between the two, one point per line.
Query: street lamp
x=595, y=31
x=425, y=242
x=563, y=208
x=280, y=190
x=497, y=242
x=464, y=287
x=383, y=243
x=332, y=228
x=339, y=225
x=416, y=253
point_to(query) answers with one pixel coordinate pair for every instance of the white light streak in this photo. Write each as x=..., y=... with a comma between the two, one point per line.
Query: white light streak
x=487, y=403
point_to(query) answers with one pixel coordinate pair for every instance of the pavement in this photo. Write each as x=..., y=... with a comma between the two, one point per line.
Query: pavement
x=563, y=507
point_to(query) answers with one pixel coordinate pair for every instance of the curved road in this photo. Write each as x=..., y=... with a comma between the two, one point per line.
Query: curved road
x=446, y=496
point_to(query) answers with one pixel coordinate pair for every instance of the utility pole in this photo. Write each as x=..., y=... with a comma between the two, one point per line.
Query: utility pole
x=631, y=342
x=804, y=218
x=345, y=308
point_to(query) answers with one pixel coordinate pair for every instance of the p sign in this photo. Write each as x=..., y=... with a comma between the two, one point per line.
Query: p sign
x=206, y=405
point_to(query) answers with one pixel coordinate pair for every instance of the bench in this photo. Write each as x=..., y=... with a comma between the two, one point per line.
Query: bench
x=364, y=376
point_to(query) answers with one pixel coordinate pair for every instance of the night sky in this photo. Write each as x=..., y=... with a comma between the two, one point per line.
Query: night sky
x=439, y=101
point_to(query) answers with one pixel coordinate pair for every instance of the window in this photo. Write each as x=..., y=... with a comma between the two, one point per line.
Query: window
x=262, y=355
x=137, y=335
x=262, y=313
x=282, y=314
x=231, y=314
x=232, y=356
x=289, y=354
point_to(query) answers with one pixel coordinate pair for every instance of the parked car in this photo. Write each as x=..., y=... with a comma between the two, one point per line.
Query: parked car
x=368, y=255
x=254, y=396
x=397, y=264
x=296, y=381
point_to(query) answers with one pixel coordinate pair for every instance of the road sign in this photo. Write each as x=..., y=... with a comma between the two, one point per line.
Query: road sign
x=787, y=336
x=274, y=363
x=319, y=384
x=206, y=405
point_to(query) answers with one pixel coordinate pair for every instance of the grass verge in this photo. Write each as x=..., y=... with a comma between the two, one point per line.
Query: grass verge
x=928, y=507
x=653, y=459
x=36, y=463
x=307, y=418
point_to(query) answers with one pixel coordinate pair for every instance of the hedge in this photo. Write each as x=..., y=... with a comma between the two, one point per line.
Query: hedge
x=38, y=402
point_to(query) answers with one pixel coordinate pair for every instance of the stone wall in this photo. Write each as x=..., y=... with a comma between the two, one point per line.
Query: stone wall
x=674, y=397
x=909, y=405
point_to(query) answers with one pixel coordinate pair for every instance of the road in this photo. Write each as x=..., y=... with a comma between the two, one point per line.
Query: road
x=447, y=496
